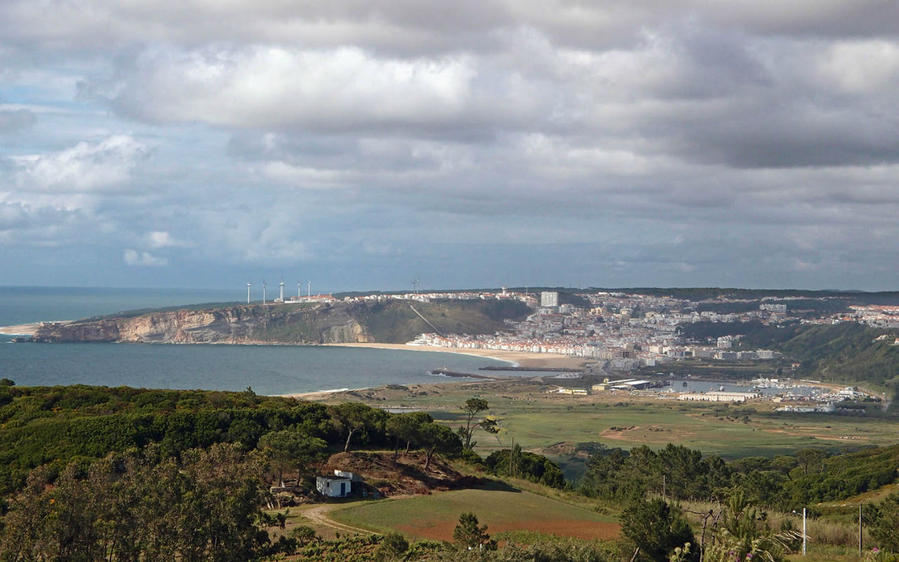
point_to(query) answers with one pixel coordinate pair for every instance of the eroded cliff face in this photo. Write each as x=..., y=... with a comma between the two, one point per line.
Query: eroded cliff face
x=233, y=325
x=339, y=322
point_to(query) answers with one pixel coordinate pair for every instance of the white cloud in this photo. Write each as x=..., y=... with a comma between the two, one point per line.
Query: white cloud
x=264, y=86
x=862, y=66
x=146, y=259
x=306, y=177
x=162, y=239
x=84, y=168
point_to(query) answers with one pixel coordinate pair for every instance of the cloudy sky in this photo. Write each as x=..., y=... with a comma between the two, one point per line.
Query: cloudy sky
x=180, y=143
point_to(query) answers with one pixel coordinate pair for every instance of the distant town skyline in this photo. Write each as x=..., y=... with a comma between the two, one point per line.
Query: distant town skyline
x=610, y=144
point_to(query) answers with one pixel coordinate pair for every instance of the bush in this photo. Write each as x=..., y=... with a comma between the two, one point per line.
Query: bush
x=886, y=522
x=519, y=464
x=657, y=529
x=393, y=546
x=468, y=533
x=303, y=534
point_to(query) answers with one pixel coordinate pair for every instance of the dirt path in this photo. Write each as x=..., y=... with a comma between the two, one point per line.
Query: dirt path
x=319, y=515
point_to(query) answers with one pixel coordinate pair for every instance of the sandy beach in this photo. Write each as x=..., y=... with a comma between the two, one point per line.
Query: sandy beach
x=20, y=329
x=521, y=359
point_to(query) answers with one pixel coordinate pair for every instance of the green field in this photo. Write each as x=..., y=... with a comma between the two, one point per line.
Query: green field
x=552, y=424
x=730, y=432
x=501, y=507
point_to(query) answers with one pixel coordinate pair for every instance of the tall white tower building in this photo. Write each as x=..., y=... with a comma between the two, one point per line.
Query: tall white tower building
x=549, y=299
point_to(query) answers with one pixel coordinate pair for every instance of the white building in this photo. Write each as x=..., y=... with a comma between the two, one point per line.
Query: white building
x=338, y=486
x=717, y=396
x=549, y=299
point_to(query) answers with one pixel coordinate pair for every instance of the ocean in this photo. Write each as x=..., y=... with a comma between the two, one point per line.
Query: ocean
x=266, y=369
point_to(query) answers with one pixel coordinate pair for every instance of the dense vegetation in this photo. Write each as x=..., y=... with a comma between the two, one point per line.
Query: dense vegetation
x=783, y=482
x=142, y=506
x=521, y=464
x=55, y=425
x=811, y=476
x=844, y=352
x=92, y=473
x=674, y=471
x=838, y=352
x=124, y=474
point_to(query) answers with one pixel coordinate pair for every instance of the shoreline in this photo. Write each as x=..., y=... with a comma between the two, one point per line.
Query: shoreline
x=318, y=394
x=519, y=359
x=515, y=358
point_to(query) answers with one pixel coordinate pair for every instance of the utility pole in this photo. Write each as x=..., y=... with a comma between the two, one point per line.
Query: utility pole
x=804, y=535
x=859, y=530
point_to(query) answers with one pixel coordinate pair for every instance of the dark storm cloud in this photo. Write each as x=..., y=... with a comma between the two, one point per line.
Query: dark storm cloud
x=409, y=26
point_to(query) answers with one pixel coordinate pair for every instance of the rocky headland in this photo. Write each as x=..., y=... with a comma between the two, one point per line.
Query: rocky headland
x=386, y=322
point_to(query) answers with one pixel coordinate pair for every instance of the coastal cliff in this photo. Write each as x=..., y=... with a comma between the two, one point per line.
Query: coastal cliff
x=389, y=322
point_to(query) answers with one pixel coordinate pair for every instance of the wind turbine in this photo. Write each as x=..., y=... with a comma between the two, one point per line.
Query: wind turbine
x=248, y=292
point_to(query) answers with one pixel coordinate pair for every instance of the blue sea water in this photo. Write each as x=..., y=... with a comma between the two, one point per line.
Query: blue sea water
x=267, y=369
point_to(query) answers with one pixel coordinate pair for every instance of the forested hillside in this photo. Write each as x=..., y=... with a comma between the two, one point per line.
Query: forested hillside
x=844, y=352
x=835, y=352
x=783, y=482
x=125, y=474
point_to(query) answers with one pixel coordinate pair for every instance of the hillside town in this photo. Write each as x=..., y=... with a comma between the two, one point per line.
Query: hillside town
x=626, y=330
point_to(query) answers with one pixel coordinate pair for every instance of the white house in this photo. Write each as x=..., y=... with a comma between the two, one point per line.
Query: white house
x=333, y=486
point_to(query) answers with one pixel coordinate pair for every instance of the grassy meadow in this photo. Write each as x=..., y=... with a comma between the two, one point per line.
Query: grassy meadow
x=503, y=508
x=553, y=424
x=537, y=419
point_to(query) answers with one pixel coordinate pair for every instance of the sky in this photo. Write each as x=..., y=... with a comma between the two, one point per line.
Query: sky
x=477, y=143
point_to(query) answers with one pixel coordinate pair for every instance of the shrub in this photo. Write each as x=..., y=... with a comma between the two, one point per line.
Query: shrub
x=393, y=546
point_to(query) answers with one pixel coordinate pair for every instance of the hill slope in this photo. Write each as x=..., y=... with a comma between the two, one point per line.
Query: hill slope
x=387, y=322
x=838, y=352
